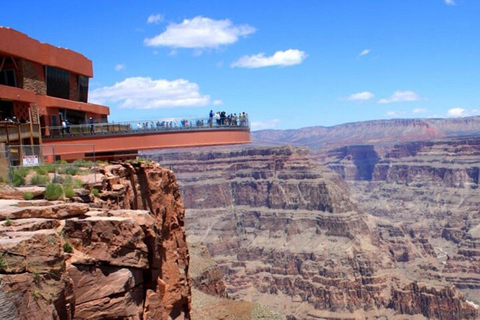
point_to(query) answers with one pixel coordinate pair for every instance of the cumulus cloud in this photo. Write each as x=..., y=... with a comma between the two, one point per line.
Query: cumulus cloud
x=146, y=93
x=456, y=112
x=120, y=67
x=217, y=102
x=155, y=18
x=392, y=113
x=200, y=33
x=288, y=57
x=401, y=96
x=364, y=52
x=419, y=110
x=361, y=96
x=262, y=125
x=450, y=2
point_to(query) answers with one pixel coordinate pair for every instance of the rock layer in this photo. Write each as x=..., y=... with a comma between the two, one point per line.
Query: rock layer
x=286, y=233
x=125, y=259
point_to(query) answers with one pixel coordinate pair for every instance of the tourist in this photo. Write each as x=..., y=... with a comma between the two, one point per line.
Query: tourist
x=92, y=129
x=210, y=119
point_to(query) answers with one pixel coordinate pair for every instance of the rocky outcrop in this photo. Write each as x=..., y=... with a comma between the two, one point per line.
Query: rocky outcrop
x=452, y=162
x=286, y=232
x=124, y=257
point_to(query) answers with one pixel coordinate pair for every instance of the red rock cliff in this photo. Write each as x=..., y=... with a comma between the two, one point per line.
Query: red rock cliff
x=125, y=259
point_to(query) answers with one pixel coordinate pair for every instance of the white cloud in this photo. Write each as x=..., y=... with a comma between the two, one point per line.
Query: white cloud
x=364, y=52
x=200, y=33
x=145, y=93
x=120, y=67
x=262, y=125
x=419, y=110
x=361, y=96
x=450, y=2
x=217, y=102
x=401, y=96
x=288, y=57
x=155, y=18
x=456, y=112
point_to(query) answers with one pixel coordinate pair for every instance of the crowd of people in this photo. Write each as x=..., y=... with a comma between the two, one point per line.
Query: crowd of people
x=221, y=118
x=15, y=120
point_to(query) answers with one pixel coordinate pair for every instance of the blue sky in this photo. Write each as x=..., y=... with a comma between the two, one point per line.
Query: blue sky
x=289, y=64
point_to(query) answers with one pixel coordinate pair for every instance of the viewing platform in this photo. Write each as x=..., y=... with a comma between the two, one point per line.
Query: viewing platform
x=123, y=140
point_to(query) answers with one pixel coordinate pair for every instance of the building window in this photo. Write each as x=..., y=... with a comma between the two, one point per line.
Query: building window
x=58, y=82
x=82, y=88
x=7, y=78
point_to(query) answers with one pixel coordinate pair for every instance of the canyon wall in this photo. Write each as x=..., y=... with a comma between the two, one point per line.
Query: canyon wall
x=121, y=255
x=286, y=232
x=426, y=188
x=375, y=132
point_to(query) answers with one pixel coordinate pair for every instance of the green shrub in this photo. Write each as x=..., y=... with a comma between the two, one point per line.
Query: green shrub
x=3, y=263
x=71, y=170
x=8, y=221
x=67, y=180
x=22, y=171
x=68, y=191
x=18, y=176
x=77, y=183
x=95, y=192
x=83, y=163
x=35, y=294
x=53, y=191
x=39, y=180
x=67, y=247
x=61, y=162
x=28, y=195
x=41, y=170
x=50, y=167
x=18, y=179
x=57, y=179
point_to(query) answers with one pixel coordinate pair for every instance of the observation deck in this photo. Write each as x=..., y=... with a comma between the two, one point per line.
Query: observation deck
x=123, y=140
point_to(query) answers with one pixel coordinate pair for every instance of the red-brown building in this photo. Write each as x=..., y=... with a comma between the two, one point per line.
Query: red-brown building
x=47, y=84
x=50, y=80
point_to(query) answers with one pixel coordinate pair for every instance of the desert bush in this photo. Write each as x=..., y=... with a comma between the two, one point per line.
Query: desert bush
x=67, y=247
x=71, y=170
x=95, y=192
x=3, y=263
x=53, y=191
x=28, y=195
x=17, y=179
x=41, y=170
x=77, y=183
x=39, y=180
x=58, y=179
x=68, y=191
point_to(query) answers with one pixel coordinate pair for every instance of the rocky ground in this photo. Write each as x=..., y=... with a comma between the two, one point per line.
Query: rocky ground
x=121, y=255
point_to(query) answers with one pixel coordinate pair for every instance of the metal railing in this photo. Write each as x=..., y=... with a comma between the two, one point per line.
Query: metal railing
x=131, y=127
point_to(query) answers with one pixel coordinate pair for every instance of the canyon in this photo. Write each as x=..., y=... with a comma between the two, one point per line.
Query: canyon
x=290, y=233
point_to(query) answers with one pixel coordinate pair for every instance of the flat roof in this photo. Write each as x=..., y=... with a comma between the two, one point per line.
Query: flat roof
x=17, y=44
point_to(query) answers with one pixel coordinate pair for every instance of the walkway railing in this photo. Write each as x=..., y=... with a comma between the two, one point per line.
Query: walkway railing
x=145, y=126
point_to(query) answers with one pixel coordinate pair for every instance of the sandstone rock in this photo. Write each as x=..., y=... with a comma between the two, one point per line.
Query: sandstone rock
x=69, y=261
x=282, y=228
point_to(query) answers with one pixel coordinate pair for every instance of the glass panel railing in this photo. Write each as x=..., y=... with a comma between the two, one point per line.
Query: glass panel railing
x=131, y=127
